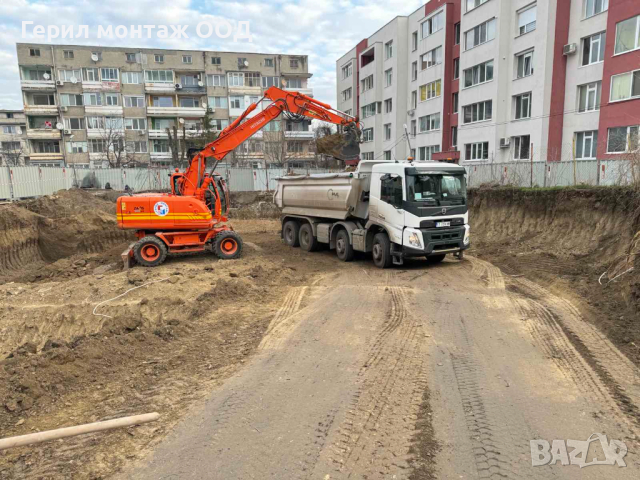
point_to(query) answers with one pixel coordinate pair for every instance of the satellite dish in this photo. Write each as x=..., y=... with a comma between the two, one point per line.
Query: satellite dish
x=204, y=105
x=59, y=126
x=246, y=63
x=46, y=76
x=95, y=57
x=74, y=80
x=181, y=120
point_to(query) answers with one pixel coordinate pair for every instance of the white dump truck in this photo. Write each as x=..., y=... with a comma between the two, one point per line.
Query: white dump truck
x=394, y=210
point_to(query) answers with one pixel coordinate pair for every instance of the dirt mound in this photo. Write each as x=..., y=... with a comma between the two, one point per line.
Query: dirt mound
x=45, y=230
x=578, y=241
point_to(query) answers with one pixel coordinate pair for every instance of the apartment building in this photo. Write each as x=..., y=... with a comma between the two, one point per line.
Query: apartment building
x=505, y=80
x=14, y=148
x=96, y=106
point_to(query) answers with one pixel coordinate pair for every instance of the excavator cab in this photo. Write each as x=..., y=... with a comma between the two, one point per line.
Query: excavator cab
x=351, y=146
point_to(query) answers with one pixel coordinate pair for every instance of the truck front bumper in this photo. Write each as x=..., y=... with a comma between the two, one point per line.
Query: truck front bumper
x=439, y=241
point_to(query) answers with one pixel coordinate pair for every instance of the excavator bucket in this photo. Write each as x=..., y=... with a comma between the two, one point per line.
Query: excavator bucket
x=351, y=146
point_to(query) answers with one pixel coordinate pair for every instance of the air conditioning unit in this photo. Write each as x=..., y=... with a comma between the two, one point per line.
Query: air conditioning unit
x=201, y=84
x=142, y=133
x=178, y=86
x=569, y=49
x=59, y=83
x=411, y=113
x=211, y=110
x=64, y=109
x=67, y=132
x=505, y=142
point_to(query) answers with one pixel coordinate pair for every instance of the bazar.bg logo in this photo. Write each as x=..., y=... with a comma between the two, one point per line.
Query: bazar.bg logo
x=582, y=453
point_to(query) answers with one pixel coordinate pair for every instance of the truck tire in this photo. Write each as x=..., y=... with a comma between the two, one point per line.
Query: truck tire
x=307, y=241
x=436, y=258
x=150, y=251
x=344, y=249
x=291, y=233
x=381, y=250
x=227, y=245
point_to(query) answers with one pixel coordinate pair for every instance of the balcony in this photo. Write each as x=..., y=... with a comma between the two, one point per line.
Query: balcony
x=305, y=91
x=38, y=85
x=44, y=134
x=104, y=110
x=45, y=157
x=162, y=87
x=245, y=90
x=99, y=86
x=196, y=90
x=305, y=134
x=13, y=121
x=176, y=112
x=113, y=133
x=48, y=110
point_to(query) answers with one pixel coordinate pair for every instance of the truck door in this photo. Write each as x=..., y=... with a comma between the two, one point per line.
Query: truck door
x=390, y=213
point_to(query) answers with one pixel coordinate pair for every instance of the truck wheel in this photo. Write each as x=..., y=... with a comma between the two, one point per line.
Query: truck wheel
x=150, y=251
x=344, y=249
x=381, y=250
x=227, y=245
x=436, y=258
x=290, y=233
x=308, y=242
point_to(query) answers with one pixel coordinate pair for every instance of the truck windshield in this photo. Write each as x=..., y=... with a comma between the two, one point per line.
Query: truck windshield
x=437, y=189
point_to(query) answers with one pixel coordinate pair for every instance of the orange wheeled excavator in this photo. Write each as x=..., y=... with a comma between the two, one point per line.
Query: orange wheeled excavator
x=194, y=216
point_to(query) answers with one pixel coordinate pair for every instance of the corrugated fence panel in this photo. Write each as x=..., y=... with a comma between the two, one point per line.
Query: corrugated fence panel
x=26, y=182
x=239, y=179
x=5, y=184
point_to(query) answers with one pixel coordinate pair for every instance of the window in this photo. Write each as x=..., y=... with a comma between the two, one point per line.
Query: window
x=433, y=24
x=158, y=101
x=90, y=75
x=158, y=76
x=455, y=102
x=347, y=70
x=594, y=7
x=268, y=62
x=478, y=112
x=367, y=83
x=480, y=34
x=236, y=101
x=387, y=154
x=270, y=82
x=113, y=123
x=430, y=90
x=77, y=147
x=426, y=153
x=218, y=102
x=456, y=68
x=293, y=83
x=46, y=147
x=11, y=146
x=414, y=127
x=75, y=123
x=134, y=102
x=161, y=146
x=431, y=58
x=471, y=4
x=367, y=155
x=95, y=123
x=369, y=110
x=527, y=20
x=479, y=74
x=367, y=135
x=72, y=76
x=11, y=129
x=216, y=60
x=589, y=97
x=135, y=123
x=43, y=99
x=414, y=41
x=189, y=102
x=294, y=63
x=132, y=78
x=414, y=71
x=159, y=58
x=137, y=147
x=454, y=137
x=524, y=64
x=456, y=34
x=112, y=99
x=236, y=79
x=218, y=124
x=521, y=147
x=187, y=59
x=37, y=74
x=388, y=50
x=131, y=57
x=216, y=81
x=295, y=147
x=42, y=122
x=476, y=151
x=96, y=146
x=628, y=35
x=109, y=74
x=429, y=122
x=523, y=106
x=92, y=99
x=348, y=112
x=162, y=123
x=68, y=54
x=391, y=190
x=623, y=139
x=586, y=145
x=593, y=49
x=34, y=52
x=346, y=94
x=388, y=77
x=70, y=100
x=625, y=86
x=189, y=80
x=388, y=105
x=414, y=99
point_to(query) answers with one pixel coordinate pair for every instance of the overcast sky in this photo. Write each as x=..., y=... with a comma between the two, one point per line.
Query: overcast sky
x=322, y=29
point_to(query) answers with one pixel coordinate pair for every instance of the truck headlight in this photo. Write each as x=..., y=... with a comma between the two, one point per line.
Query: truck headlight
x=414, y=240
x=467, y=238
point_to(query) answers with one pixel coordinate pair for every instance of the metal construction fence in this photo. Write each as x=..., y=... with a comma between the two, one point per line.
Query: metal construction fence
x=28, y=182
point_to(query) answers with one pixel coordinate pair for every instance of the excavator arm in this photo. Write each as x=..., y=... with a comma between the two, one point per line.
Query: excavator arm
x=292, y=103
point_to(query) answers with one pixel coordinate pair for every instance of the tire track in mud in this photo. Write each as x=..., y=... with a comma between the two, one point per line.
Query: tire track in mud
x=374, y=439
x=282, y=324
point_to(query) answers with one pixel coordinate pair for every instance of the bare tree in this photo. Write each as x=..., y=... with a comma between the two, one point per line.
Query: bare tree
x=12, y=152
x=181, y=141
x=114, y=147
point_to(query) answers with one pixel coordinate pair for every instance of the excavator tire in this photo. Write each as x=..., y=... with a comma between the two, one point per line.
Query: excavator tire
x=227, y=245
x=150, y=251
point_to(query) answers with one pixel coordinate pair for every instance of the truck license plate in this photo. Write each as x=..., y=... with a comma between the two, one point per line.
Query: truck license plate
x=443, y=224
